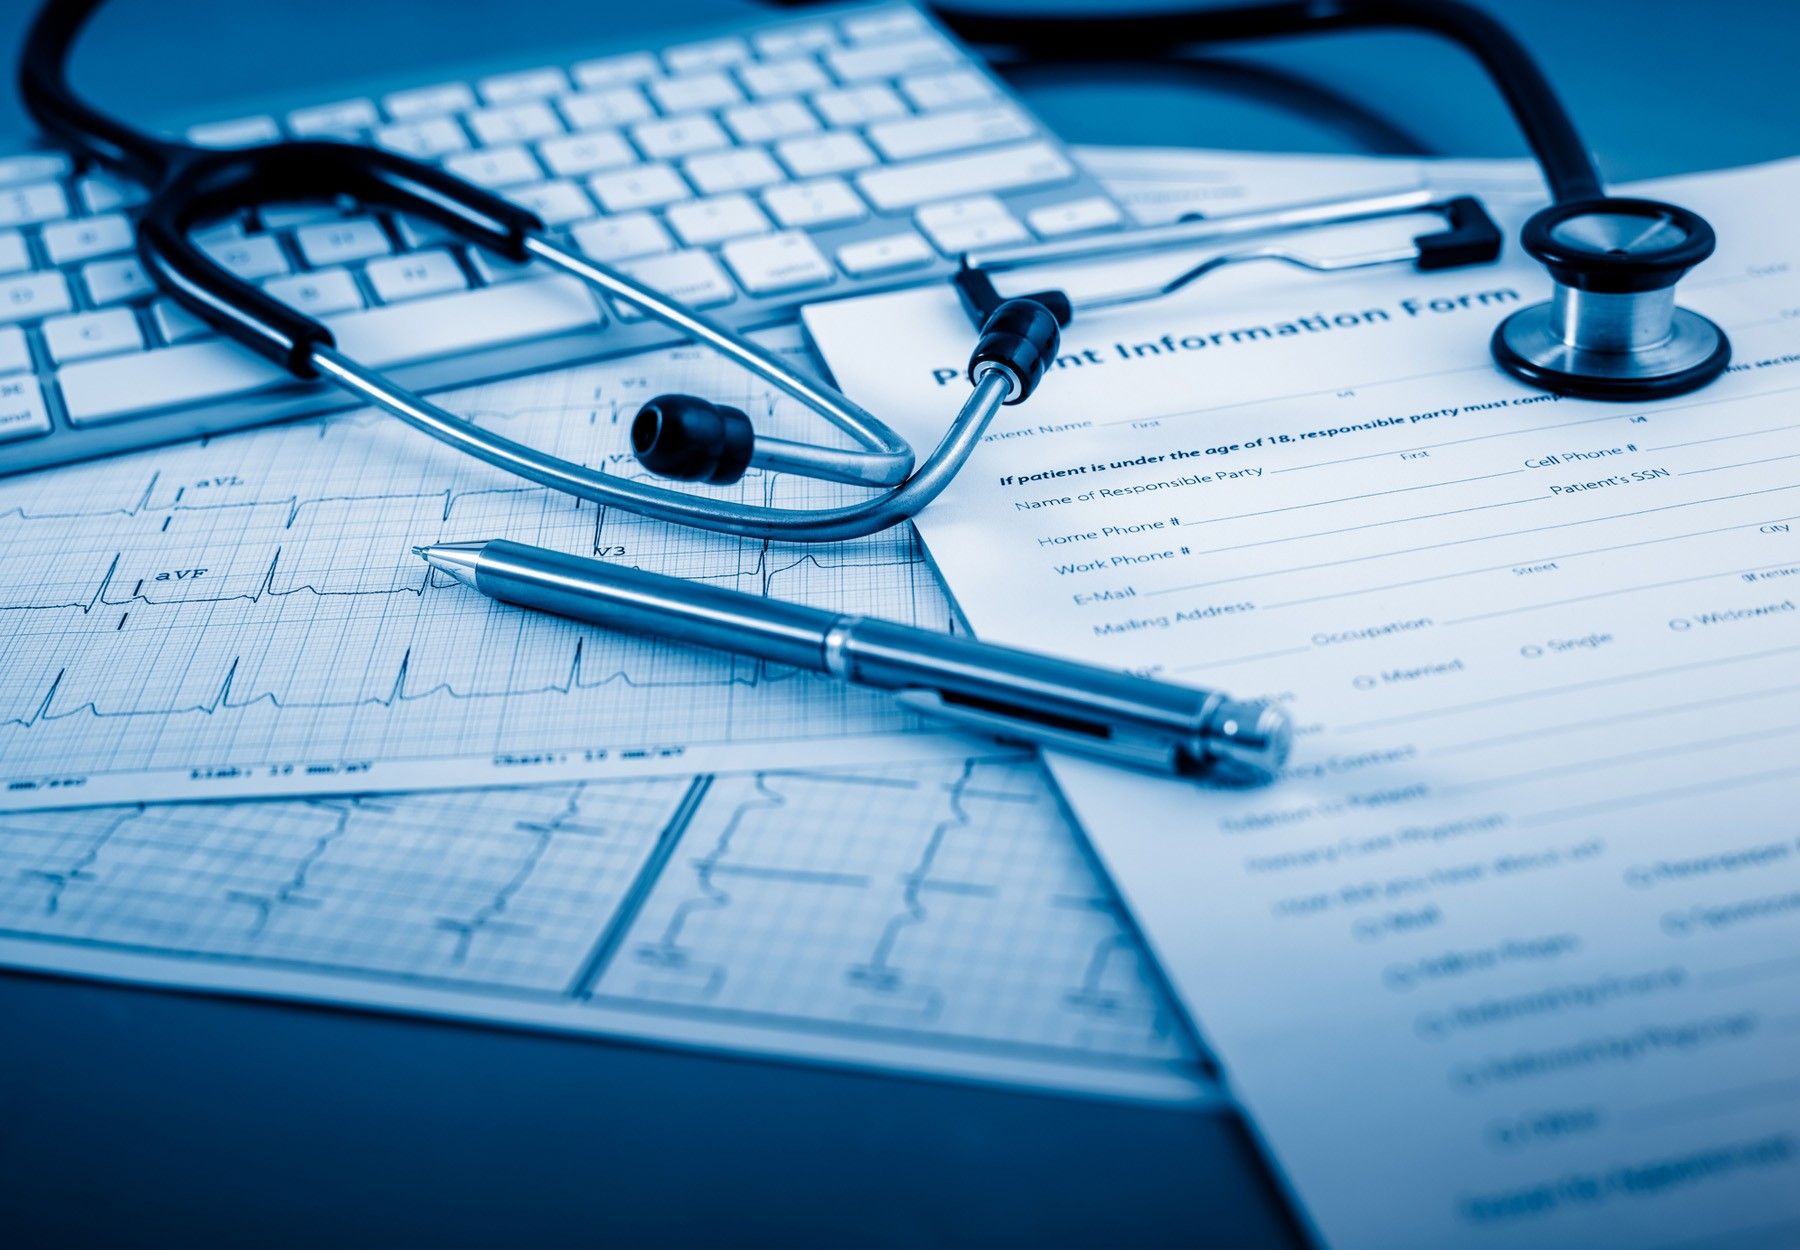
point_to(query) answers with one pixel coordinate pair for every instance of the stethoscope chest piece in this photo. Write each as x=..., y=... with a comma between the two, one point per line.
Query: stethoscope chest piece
x=1612, y=330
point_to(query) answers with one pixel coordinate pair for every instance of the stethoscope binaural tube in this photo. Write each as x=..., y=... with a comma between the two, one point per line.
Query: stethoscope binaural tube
x=190, y=185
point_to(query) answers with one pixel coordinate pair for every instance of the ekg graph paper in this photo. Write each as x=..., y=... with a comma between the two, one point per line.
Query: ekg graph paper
x=244, y=615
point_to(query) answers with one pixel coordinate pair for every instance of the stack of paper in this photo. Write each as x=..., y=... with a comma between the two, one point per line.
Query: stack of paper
x=1507, y=957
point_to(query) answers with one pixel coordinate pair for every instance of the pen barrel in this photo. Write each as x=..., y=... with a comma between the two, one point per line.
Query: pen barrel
x=1159, y=722
x=634, y=601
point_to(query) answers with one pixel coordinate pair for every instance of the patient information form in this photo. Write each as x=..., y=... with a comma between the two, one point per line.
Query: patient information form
x=1508, y=957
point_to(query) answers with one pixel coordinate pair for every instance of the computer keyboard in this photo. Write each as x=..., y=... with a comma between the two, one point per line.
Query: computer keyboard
x=846, y=151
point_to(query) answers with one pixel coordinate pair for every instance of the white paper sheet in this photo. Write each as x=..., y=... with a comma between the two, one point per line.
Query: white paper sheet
x=244, y=616
x=1508, y=958
x=722, y=912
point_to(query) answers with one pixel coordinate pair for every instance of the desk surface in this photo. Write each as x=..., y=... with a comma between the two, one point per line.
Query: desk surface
x=129, y=1114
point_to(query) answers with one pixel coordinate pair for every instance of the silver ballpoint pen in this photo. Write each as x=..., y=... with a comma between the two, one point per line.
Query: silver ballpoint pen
x=1002, y=691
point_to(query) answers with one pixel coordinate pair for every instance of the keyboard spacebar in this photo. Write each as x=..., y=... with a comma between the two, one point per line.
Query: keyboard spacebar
x=895, y=187
x=118, y=388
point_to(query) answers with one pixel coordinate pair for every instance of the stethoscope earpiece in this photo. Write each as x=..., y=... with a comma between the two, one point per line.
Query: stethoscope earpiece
x=692, y=440
x=1612, y=330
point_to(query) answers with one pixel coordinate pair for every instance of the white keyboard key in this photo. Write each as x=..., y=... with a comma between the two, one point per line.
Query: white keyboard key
x=696, y=58
x=882, y=27
x=423, y=139
x=317, y=294
x=997, y=169
x=292, y=216
x=66, y=242
x=84, y=335
x=175, y=324
x=956, y=238
x=949, y=132
x=397, y=278
x=514, y=123
x=885, y=255
x=33, y=167
x=1095, y=213
x=258, y=256
x=641, y=186
x=118, y=387
x=454, y=325
x=227, y=231
x=329, y=121
x=571, y=155
x=678, y=136
x=858, y=106
x=823, y=202
x=694, y=278
x=419, y=103
x=624, y=237
x=102, y=193
x=115, y=281
x=778, y=263
x=611, y=106
x=34, y=295
x=494, y=168
x=764, y=123
x=22, y=411
x=615, y=71
x=958, y=212
x=522, y=85
x=493, y=270
x=417, y=234
x=239, y=132
x=13, y=254
x=34, y=202
x=339, y=242
x=737, y=170
x=812, y=155
x=15, y=355
x=557, y=203
x=694, y=92
x=889, y=60
x=794, y=40
x=947, y=90
x=783, y=78
x=701, y=223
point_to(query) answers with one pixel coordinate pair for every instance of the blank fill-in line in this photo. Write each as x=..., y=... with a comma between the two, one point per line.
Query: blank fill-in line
x=1682, y=746
x=1483, y=538
x=1713, y=1102
x=1567, y=688
x=1608, y=594
x=1544, y=731
x=1618, y=801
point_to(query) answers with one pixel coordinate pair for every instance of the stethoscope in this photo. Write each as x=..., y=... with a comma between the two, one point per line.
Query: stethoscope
x=1610, y=331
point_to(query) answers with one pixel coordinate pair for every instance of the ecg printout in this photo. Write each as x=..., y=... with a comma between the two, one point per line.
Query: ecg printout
x=960, y=932
x=1507, y=957
x=245, y=616
x=937, y=917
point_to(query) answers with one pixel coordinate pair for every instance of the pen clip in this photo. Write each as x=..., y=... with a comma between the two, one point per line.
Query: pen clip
x=1153, y=752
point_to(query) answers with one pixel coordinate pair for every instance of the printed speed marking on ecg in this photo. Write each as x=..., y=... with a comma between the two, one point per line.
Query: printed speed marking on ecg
x=244, y=616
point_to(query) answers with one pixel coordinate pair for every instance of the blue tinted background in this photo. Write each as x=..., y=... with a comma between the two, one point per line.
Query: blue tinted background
x=1659, y=86
x=130, y=1117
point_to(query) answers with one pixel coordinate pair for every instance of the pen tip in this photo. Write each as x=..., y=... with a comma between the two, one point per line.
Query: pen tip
x=420, y=552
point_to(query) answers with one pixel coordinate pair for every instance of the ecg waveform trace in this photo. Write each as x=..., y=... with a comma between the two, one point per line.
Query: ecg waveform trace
x=226, y=616
x=941, y=905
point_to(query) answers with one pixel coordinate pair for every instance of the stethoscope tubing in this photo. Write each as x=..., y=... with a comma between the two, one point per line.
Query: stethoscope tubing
x=190, y=185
